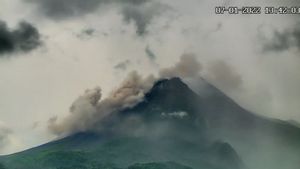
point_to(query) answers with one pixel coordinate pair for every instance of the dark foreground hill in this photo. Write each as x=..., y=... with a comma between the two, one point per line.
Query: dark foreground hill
x=173, y=127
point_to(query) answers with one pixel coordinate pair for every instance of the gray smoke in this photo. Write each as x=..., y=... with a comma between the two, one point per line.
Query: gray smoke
x=88, y=110
x=222, y=75
x=187, y=67
x=22, y=39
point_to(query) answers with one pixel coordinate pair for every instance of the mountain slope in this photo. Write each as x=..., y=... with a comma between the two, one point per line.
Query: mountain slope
x=173, y=123
x=123, y=152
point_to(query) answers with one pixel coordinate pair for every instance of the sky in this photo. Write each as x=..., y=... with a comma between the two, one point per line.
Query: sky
x=51, y=51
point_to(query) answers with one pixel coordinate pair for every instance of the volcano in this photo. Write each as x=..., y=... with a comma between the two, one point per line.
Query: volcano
x=173, y=127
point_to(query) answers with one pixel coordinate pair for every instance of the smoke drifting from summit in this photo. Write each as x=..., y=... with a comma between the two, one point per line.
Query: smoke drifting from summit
x=81, y=111
x=187, y=67
x=88, y=110
x=224, y=76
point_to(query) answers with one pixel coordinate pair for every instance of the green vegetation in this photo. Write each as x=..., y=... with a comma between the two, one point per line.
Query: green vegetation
x=167, y=165
x=2, y=166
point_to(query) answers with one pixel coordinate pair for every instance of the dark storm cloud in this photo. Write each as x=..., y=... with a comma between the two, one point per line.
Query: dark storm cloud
x=142, y=15
x=283, y=40
x=63, y=9
x=22, y=39
x=140, y=12
x=150, y=54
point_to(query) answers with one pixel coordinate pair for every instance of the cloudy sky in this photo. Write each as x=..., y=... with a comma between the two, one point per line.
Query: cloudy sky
x=51, y=51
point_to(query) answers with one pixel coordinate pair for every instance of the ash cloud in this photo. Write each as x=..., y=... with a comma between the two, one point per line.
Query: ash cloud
x=88, y=111
x=187, y=67
x=221, y=74
x=24, y=38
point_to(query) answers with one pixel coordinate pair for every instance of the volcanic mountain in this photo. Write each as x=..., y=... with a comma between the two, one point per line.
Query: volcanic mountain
x=173, y=127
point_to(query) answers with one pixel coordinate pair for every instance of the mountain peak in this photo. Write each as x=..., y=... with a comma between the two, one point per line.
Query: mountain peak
x=173, y=82
x=170, y=90
x=171, y=95
x=174, y=86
